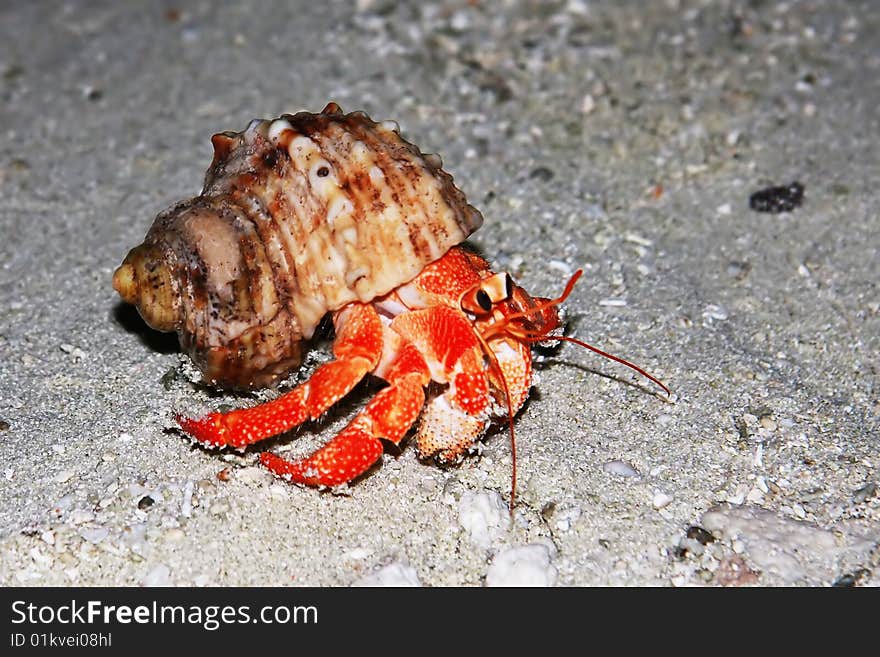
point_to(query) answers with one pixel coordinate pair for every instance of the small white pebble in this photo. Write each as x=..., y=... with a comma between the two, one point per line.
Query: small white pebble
x=358, y=553
x=81, y=516
x=186, y=503
x=768, y=423
x=159, y=576
x=394, y=574
x=724, y=209
x=484, y=516
x=175, y=535
x=41, y=560
x=135, y=537
x=620, y=468
x=715, y=311
x=63, y=477
x=76, y=352
x=526, y=565
x=661, y=500
x=617, y=303
x=62, y=504
x=588, y=104
x=48, y=536
x=560, y=266
x=679, y=580
x=94, y=535
x=635, y=238
x=251, y=475
x=279, y=491
x=460, y=21
x=566, y=517
x=577, y=8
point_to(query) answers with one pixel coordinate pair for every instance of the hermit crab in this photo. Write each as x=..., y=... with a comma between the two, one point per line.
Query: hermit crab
x=310, y=214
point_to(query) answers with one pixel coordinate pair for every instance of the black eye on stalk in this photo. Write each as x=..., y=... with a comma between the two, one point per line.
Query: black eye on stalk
x=483, y=300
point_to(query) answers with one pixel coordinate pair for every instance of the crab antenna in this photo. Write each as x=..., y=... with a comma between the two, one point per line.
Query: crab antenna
x=618, y=359
x=504, y=326
x=494, y=360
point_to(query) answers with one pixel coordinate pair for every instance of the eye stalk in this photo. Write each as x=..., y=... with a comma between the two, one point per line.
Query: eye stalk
x=482, y=297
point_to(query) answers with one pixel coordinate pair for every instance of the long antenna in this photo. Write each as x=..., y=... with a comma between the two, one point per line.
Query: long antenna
x=617, y=359
x=506, y=327
x=494, y=360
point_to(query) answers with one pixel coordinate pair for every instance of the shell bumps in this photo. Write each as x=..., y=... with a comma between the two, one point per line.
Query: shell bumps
x=299, y=216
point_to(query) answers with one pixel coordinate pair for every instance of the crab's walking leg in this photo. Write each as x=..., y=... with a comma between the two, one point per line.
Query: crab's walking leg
x=357, y=348
x=514, y=360
x=454, y=421
x=357, y=447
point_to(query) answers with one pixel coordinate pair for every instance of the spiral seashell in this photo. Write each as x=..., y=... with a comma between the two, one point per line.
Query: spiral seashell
x=299, y=216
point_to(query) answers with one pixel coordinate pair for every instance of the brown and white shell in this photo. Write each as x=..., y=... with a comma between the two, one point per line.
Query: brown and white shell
x=299, y=216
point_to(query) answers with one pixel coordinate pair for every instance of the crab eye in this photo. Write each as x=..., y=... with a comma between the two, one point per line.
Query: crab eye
x=483, y=300
x=479, y=299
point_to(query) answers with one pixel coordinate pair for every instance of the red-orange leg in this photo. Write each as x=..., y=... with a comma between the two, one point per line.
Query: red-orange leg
x=357, y=348
x=357, y=447
x=453, y=421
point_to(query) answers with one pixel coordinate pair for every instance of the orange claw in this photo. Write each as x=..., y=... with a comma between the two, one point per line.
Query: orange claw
x=345, y=457
x=209, y=430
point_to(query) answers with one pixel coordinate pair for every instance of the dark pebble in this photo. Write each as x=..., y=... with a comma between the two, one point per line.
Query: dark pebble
x=700, y=535
x=4, y=425
x=170, y=378
x=784, y=198
x=542, y=174
x=851, y=579
x=145, y=502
